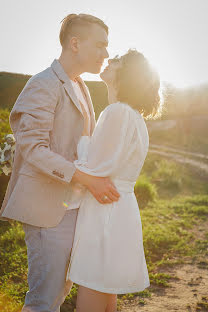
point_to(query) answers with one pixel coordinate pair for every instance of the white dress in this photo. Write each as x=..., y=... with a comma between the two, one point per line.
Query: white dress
x=107, y=253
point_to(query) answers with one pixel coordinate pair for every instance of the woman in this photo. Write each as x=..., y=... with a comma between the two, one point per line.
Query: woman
x=107, y=256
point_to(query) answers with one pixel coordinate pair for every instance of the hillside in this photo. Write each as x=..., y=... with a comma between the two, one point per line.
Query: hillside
x=11, y=84
x=186, y=103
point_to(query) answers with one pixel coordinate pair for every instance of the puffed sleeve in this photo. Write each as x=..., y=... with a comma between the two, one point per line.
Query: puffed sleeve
x=109, y=142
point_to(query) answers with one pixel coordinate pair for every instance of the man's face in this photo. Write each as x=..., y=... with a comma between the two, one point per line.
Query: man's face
x=93, y=50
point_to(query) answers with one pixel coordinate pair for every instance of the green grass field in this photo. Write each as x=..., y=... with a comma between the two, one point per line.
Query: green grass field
x=178, y=203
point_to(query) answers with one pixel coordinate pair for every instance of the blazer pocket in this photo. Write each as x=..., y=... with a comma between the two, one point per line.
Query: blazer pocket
x=35, y=201
x=36, y=175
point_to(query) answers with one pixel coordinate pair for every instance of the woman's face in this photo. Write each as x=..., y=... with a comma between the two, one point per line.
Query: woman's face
x=109, y=73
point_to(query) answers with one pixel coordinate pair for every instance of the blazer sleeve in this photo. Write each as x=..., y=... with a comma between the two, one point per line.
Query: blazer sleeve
x=109, y=142
x=32, y=120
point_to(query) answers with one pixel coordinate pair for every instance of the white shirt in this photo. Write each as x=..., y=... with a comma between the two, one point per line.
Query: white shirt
x=78, y=189
x=81, y=98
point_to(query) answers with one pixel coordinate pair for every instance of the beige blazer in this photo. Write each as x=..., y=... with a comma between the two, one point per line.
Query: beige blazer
x=47, y=122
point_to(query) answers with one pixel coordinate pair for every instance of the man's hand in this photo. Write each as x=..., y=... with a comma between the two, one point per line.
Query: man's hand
x=100, y=187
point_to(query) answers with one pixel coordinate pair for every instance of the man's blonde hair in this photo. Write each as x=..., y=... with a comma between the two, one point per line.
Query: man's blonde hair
x=77, y=25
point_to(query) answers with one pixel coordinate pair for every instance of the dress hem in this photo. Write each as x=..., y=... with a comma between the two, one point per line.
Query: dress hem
x=111, y=290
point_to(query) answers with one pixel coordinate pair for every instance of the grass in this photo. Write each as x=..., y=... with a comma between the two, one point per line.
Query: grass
x=8, y=304
x=168, y=220
x=202, y=305
x=173, y=180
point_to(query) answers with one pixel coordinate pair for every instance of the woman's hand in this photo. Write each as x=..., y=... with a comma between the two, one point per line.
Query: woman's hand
x=100, y=187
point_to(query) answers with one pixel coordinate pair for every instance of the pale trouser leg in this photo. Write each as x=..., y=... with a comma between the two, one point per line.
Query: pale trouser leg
x=89, y=300
x=48, y=251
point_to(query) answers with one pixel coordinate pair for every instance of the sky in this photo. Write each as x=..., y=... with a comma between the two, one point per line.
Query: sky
x=172, y=34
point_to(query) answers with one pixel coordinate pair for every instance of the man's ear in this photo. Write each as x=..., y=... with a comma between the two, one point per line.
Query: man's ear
x=74, y=44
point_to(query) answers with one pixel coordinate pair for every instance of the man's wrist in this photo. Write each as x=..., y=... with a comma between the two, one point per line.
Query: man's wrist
x=79, y=177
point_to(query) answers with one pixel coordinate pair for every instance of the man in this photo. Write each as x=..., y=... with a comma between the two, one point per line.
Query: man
x=51, y=113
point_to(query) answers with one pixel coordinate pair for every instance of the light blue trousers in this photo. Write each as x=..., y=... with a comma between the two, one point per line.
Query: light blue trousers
x=48, y=251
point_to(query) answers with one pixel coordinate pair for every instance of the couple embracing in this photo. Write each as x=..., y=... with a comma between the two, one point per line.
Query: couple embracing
x=72, y=183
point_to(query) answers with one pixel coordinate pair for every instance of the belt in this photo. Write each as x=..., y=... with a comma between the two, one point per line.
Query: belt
x=124, y=185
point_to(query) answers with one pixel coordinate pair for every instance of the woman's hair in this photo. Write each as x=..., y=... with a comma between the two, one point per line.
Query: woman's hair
x=78, y=24
x=138, y=84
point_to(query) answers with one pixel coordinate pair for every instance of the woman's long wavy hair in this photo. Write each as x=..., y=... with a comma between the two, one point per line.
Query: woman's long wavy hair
x=138, y=84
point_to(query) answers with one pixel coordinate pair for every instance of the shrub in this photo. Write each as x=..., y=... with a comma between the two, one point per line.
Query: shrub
x=167, y=175
x=4, y=129
x=145, y=191
x=4, y=124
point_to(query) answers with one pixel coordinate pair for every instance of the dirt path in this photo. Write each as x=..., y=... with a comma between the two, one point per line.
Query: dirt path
x=188, y=291
x=182, y=157
x=179, y=151
x=188, y=287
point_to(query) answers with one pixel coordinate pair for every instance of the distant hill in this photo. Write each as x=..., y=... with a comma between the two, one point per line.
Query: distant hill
x=184, y=102
x=11, y=84
x=192, y=101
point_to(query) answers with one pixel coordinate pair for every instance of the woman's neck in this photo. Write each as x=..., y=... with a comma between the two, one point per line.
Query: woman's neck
x=112, y=95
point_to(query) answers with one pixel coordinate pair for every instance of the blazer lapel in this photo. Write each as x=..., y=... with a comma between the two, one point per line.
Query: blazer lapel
x=89, y=101
x=59, y=71
x=70, y=91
